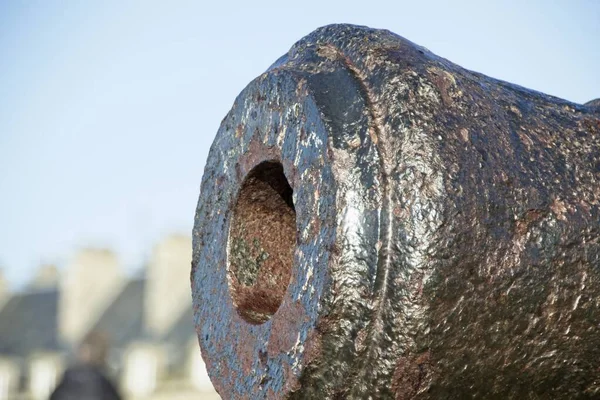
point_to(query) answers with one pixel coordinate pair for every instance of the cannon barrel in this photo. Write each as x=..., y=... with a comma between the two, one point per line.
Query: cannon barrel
x=377, y=222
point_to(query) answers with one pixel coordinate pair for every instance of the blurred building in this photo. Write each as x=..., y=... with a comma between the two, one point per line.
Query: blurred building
x=154, y=352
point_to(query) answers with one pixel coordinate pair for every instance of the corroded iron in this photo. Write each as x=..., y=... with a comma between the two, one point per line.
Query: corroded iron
x=377, y=222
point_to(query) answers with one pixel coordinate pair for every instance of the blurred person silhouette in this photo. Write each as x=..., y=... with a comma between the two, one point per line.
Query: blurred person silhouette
x=86, y=379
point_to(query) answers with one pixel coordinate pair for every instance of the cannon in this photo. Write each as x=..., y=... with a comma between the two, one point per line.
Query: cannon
x=377, y=222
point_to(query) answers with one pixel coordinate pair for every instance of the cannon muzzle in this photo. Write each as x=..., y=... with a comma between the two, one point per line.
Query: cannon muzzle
x=378, y=222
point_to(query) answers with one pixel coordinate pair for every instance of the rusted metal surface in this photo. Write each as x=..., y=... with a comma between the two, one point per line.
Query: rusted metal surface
x=439, y=237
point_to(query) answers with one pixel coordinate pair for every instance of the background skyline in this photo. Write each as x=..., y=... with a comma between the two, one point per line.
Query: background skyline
x=108, y=109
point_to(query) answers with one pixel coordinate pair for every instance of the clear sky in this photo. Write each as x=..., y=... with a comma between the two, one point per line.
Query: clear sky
x=108, y=108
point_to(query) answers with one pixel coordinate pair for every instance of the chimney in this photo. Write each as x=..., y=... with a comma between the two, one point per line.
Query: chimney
x=45, y=277
x=168, y=291
x=4, y=288
x=90, y=283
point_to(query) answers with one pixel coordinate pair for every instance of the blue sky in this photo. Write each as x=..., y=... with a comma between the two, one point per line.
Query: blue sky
x=108, y=109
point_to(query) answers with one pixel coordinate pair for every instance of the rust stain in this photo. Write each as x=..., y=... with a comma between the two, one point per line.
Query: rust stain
x=313, y=347
x=530, y=217
x=292, y=382
x=445, y=82
x=285, y=328
x=410, y=375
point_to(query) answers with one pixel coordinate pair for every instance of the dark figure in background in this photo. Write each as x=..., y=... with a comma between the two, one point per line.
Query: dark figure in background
x=86, y=379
